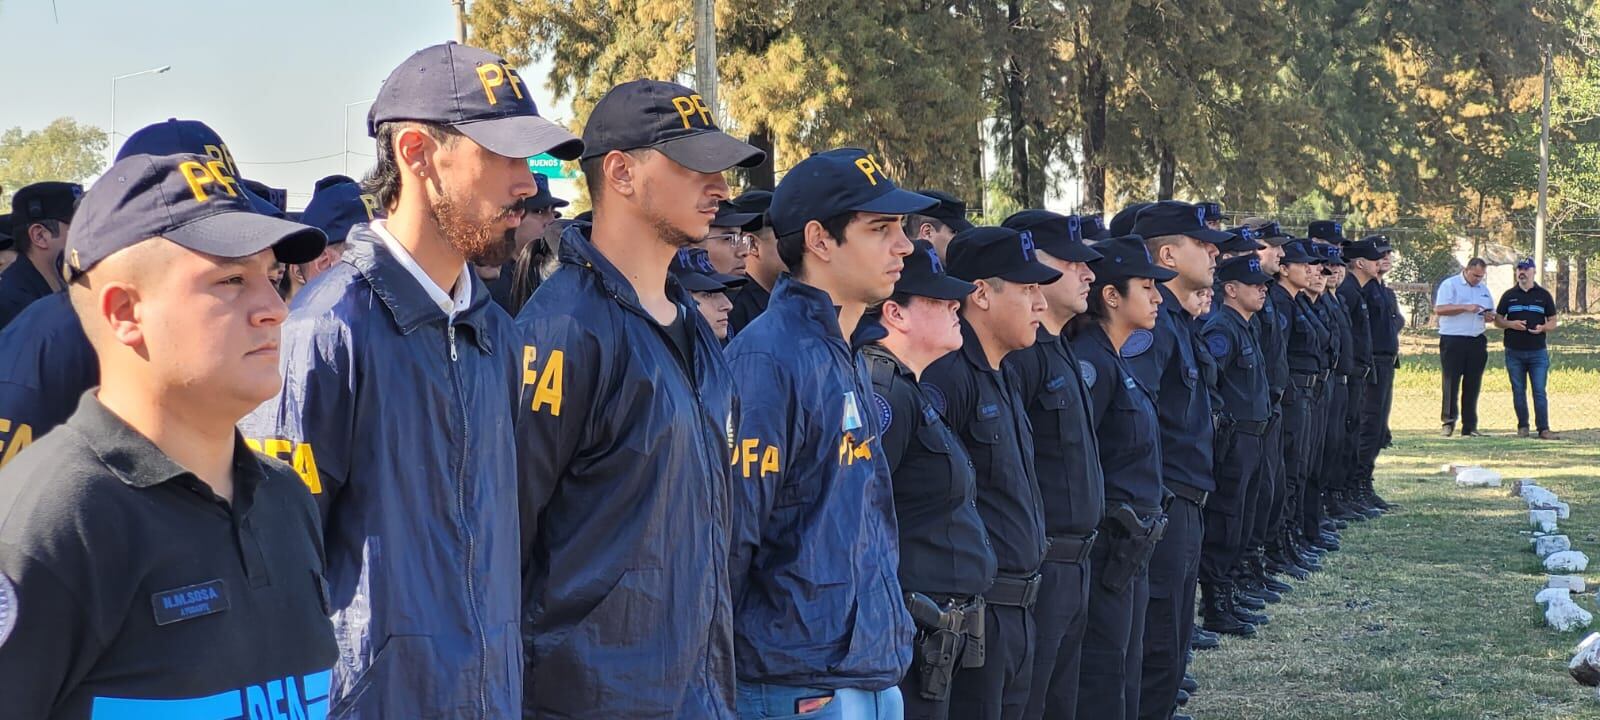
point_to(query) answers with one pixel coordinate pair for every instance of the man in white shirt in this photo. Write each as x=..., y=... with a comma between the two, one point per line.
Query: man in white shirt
x=1463, y=305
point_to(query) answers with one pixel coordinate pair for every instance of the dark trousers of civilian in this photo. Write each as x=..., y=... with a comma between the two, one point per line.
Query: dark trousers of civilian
x=1228, y=514
x=1263, y=504
x=1062, y=616
x=1169, y=618
x=1113, y=642
x=999, y=689
x=1374, y=415
x=1463, y=359
x=1529, y=369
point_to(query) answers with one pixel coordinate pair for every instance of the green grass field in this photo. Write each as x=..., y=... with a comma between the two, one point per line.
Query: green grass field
x=1428, y=613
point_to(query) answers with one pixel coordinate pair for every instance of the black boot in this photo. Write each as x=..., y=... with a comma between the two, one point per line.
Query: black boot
x=1252, y=586
x=1246, y=601
x=1244, y=613
x=1258, y=569
x=1217, y=612
x=1338, y=508
x=1189, y=684
x=1377, y=500
x=1201, y=639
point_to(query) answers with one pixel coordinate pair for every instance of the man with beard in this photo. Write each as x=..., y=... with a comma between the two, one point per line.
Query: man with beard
x=623, y=431
x=539, y=211
x=397, y=403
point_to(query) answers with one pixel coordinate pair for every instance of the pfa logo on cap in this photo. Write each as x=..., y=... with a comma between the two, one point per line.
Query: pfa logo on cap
x=1200, y=213
x=869, y=167
x=934, y=263
x=1255, y=265
x=369, y=202
x=1075, y=228
x=1027, y=244
x=494, y=75
x=691, y=107
x=213, y=174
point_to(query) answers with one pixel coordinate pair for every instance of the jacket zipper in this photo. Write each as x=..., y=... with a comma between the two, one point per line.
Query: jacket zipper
x=461, y=512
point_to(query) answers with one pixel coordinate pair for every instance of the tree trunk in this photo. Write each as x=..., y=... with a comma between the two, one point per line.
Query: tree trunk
x=1093, y=94
x=1563, y=283
x=763, y=176
x=1580, y=301
x=1167, y=172
x=1016, y=111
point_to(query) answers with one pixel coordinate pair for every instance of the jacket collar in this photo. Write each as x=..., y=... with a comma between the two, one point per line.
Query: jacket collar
x=972, y=348
x=25, y=276
x=578, y=250
x=811, y=302
x=408, y=303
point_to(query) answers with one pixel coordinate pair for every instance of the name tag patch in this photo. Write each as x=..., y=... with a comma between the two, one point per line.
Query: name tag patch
x=190, y=602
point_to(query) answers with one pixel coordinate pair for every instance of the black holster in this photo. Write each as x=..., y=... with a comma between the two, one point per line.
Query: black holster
x=1133, y=541
x=947, y=637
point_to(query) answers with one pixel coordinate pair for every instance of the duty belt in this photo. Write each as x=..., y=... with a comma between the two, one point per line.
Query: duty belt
x=1070, y=549
x=1302, y=380
x=1343, y=379
x=1193, y=495
x=1014, y=591
x=1258, y=427
x=1323, y=376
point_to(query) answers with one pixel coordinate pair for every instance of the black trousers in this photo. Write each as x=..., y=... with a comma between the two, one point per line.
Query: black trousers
x=1310, y=508
x=1263, y=503
x=999, y=689
x=1226, y=522
x=1169, y=618
x=1374, y=416
x=1062, y=616
x=1350, y=454
x=1113, y=643
x=1463, y=360
x=1296, y=441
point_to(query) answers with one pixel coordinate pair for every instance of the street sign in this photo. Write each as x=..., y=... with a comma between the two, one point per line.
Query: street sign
x=551, y=167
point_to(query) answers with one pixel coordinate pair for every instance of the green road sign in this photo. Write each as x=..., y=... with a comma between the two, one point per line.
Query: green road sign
x=551, y=167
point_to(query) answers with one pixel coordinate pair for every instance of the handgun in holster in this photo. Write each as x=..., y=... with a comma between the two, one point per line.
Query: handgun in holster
x=1133, y=542
x=946, y=637
x=1222, y=439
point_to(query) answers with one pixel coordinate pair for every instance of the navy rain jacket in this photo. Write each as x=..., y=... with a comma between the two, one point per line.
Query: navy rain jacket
x=400, y=422
x=46, y=365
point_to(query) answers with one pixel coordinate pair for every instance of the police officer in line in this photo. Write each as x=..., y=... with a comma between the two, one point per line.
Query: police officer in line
x=1385, y=323
x=1333, y=464
x=1231, y=340
x=1066, y=460
x=1213, y=214
x=946, y=561
x=1322, y=529
x=626, y=398
x=1123, y=300
x=729, y=241
x=1305, y=374
x=8, y=250
x=402, y=335
x=1168, y=362
x=1093, y=228
x=693, y=270
x=762, y=266
x=154, y=566
x=1344, y=497
x=814, y=525
x=940, y=223
x=41, y=220
x=999, y=318
x=1320, y=339
x=337, y=206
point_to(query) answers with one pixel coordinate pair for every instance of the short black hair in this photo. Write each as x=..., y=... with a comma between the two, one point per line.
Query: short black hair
x=383, y=182
x=1477, y=263
x=792, y=247
x=19, y=232
x=1097, y=311
x=914, y=223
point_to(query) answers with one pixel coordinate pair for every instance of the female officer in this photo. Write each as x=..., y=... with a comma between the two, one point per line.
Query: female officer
x=1123, y=299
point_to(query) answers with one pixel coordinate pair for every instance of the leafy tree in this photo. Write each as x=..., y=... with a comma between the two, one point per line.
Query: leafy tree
x=63, y=150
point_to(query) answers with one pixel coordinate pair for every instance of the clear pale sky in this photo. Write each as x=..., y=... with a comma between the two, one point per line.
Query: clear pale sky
x=272, y=78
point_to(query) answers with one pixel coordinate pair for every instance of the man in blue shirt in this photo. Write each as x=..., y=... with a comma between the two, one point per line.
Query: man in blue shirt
x=1527, y=313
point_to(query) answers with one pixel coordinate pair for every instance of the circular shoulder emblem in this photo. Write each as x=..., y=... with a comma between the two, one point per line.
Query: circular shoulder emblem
x=885, y=413
x=8, y=608
x=935, y=396
x=1218, y=344
x=1138, y=343
x=1283, y=321
x=1087, y=372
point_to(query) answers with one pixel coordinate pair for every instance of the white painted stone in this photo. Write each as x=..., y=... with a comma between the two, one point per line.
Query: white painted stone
x=1542, y=520
x=1563, y=511
x=1547, y=595
x=1585, y=665
x=1570, y=583
x=1550, y=544
x=1538, y=497
x=1565, y=616
x=1477, y=477
x=1569, y=561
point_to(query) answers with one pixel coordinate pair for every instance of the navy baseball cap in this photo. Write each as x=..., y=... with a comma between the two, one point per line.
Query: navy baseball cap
x=1364, y=249
x=1093, y=228
x=834, y=182
x=1330, y=254
x=1122, y=222
x=542, y=199
x=5, y=231
x=924, y=276
x=1173, y=217
x=729, y=216
x=1330, y=230
x=1381, y=242
x=1244, y=240
x=951, y=210
x=1268, y=231
x=692, y=267
x=997, y=252
x=48, y=200
x=669, y=118
x=191, y=200
x=1057, y=234
x=1525, y=264
x=1245, y=269
x=1294, y=251
x=191, y=137
x=753, y=201
x=1213, y=211
x=1127, y=257
x=337, y=208
x=476, y=93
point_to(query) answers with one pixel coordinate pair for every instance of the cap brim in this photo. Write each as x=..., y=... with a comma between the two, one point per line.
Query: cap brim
x=1033, y=272
x=739, y=220
x=1215, y=237
x=242, y=234
x=523, y=136
x=1071, y=251
x=1278, y=241
x=730, y=282
x=897, y=202
x=942, y=287
x=1152, y=272
x=1241, y=246
x=696, y=282
x=1255, y=278
x=712, y=151
x=957, y=223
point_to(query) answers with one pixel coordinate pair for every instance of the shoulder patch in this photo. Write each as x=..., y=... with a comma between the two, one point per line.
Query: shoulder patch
x=1055, y=383
x=935, y=397
x=8, y=608
x=1283, y=321
x=885, y=413
x=1138, y=342
x=1218, y=344
x=1087, y=371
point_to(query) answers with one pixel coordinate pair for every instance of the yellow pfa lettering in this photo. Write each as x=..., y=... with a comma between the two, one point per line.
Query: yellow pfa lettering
x=870, y=168
x=18, y=439
x=212, y=174
x=690, y=107
x=547, y=381
x=850, y=451
x=220, y=152
x=370, y=202
x=753, y=460
x=299, y=456
x=493, y=75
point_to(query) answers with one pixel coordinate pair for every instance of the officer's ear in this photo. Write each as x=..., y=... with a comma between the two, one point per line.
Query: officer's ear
x=413, y=150
x=40, y=236
x=982, y=296
x=893, y=316
x=818, y=242
x=620, y=170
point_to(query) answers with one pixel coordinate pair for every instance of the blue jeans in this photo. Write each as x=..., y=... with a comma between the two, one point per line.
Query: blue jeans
x=778, y=702
x=1525, y=366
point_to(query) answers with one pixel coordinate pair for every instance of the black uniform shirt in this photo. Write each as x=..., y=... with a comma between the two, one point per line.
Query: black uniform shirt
x=1242, y=377
x=988, y=416
x=1125, y=424
x=20, y=285
x=1065, y=451
x=748, y=304
x=1360, y=316
x=129, y=590
x=943, y=545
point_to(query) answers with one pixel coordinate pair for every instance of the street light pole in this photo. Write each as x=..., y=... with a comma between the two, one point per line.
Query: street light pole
x=347, y=107
x=111, y=133
x=1540, y=218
